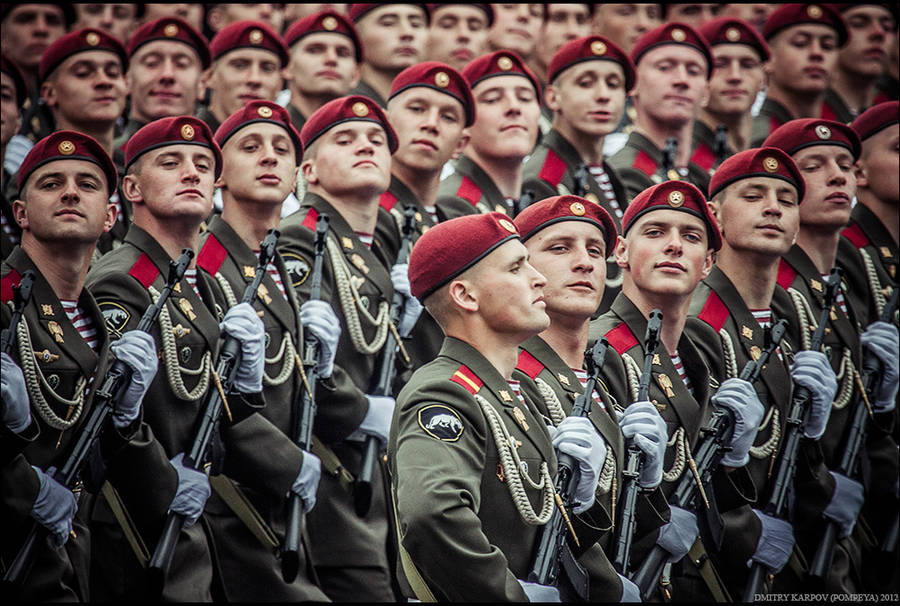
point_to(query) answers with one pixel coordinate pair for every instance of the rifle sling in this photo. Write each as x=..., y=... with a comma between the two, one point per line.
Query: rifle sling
x=126, y=524
x=333, y=465
x=708, y=573
x=412, y=574
x=238, y=502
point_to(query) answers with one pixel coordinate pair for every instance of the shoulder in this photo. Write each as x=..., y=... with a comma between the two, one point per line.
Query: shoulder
x=708, y=307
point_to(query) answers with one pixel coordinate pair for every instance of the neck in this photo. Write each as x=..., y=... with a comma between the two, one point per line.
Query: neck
x=539, y=68
x=857, y=90
x=674, y=310
x=63, y=264
x=799, y=105
x=506, y=173
x=172, y=235
x=102, y=132
x=250, y=220
x=739, y=127
x=378, y=79
x=216, y=109
x=589, y=147
x=820, y=245
x=755, y=286
x=501, y=350
x=885, y=211
x=658, y=132
x=359, y=209
x=568, y=337
x=422, y=183
x=307, y=104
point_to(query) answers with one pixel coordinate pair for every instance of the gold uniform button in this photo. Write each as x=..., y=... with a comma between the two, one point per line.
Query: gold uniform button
x=264, y=112
x=814, y=11
x=733, y=34
x=678, y=35
x=823, y=132
x=256, y=36
x=442, y=79
x=673, y=175
x=92, y=38
x=592, y=197
x=187, y=132
x=360, y=109
x=676, y=199
x=505, y=63
x=505, y=224
x=330, y=23
x=171, y=30
x=770, y=164
x=577, y=209
x=598, y=48
x=66, y=148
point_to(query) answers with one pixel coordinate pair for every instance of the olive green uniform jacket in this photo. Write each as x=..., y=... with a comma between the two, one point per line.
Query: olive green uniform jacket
x=639, y=166
x=469, y=190
x=878, y=252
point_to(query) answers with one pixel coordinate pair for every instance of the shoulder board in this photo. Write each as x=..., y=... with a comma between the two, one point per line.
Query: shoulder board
x=469, y=191
x=468, y=379
x=6, y=285
x=144, y=271
x=703, y=156
x=855, y=234
x=714, y=311
x=528, y=364
x=786, y=274
x=387, y=201
x=553, y=169
x=774, y=123
x=310, y=221
x=828, y=113
x=644, y=163
x=212, y=255
x=621, y=338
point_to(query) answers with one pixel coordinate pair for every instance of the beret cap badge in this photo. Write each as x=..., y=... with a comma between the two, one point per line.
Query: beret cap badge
x=66, y=148
x=442, y=79
x=676, y=198
x=329, y=23
x=92, y=38
x=598, y=47
x=678, y=35
x=171, y=30
x=359, y=108
x=733, y=34
x=264, y=112
x=823, y=132
x=505, y=63
x=256, y=36
x=507, y=225
x=187, y=132
x=577, y=209
x=770, y=164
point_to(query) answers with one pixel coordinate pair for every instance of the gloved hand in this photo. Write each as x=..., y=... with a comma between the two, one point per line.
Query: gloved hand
x=138, y=350
x=242, y=323
x=16, y=414
x=740, y=398
x=54, y=507
x=812, y=370
x=776, y=542
x=630, y=591
x=881, y=339
x=413, y=308
x=643, y=423
x=192, y=493
x=307, y=483
x=845, y=503
x=377, y=421
x=321, y=320
x=679, y=534
x=577, y=437
x=540, y=593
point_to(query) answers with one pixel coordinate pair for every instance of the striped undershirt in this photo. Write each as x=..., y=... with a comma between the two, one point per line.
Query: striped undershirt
x=606, y=187
x=764, y=318
x=432, y=210
x=516, y=388
x=82, y=322
x=365, y=238
x=676, y=362
x=839, y=299
x=191, y=276
x=273, y=273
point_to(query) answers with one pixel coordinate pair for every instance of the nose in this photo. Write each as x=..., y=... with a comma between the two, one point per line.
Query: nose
x=673, y=242
x=772, y=207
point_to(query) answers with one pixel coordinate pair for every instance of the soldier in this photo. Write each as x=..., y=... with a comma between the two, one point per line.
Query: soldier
x=247, y=60
x=191, y=13
x=463, y=436
x=674, y=64
x=753, y=13
x=394, y=37
x=12, y=97
x=516, y=28
x=739, y=53
x=220, y=16
x=348, y=143
x=325, y=54
x=804, y=40
x=825, y=153
x=488, y=175
x=667, y=246
x=695, y=15
x=118, y=20
x=623, y=24
x=28, y=30
x=63, y=350
x=458, y=33
x=589, y=80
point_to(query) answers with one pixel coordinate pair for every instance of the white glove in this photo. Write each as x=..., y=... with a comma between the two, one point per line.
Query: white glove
x=738, y=396
x=321, y=320
x=776, y=542
x=55, y=507
x=16, y=413
x=307, y=483
x=413, y=308
x=378, y=418
x=540, y=593
x=577, y=437
x=138, y=350
x=881, y=339
x=192, y=493
x=242, y=323
x=630, y=591
x=643, y=423
x=812, y=370
x=679, y=534
x=845, y=503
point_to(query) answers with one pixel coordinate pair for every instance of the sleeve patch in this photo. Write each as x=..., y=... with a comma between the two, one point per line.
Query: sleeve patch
x=297, y=267
x=441, y=422
x=115, y=316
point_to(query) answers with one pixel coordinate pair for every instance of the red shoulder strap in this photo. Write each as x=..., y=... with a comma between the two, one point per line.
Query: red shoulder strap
x=469, y=191
x=387, y=200
x=310, y=221
x=714, y=311
x=468, y=379
x=621, y=338
x=212, y=255
x=855, y=234
x=703, y=156
x=786, y=274
x=144, y=271
x=553, y=169
x=644, y=163
x=6, y=285
x=828, y=113
x=528, y=364
x=774, y=123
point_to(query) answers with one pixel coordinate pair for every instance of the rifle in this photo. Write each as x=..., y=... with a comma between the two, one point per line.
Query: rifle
x=716, y=436
x=552, y=548
x=582, y=181
x=526, y=200
x=303, y=428
x=856, y=438
x=634, y=460
x=777, y=505
x=721, y=144
x=108, y=395
x=224, y=377
x=21, y=297
x=668, y=157
x=362, y=488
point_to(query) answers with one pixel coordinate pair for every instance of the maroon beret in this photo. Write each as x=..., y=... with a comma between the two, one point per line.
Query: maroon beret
x=566, y=208
x=10, y=68
x=805, y=132
x=346, y=109
x=726, y=30
x=87, y=39
x=170, y=28
x=68, y=145
x=875, y=119
x=788, y=15
x=673, y=33
x=451, y=247
x=487, y=8
x=358, y=11
x=587, y=49
x=673, y=195
x=259, y=111
x=499, y=63
x=440, y=77
x=172, y=130
x=757, y=162
x=247, y=34
x=328, y=22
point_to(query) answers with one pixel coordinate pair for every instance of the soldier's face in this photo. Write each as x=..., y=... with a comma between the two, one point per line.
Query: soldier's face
x=623, y=24
x=28, y=30
x=869, y=27
x=736, y=79
x=242, y=76
x=87, y=88
x=880, y=164
x=258, y=165
x=163, y=80
x=506, y=123
x=565, y=22
x=665, y=253
x=671, y=84
x=226, y=14
x=66, y=201
x=351, y=159
x=694, y=15
x=516, y=28
x=394, y=36
x=118, y=20
x=758, y=215
x=9, y=109
x=572, y=256
x=323, y=65
x=589, y=98
x=429, y=126
x=457, y=35
x=803, y=58
x=190, y=12
x=830, y=185
x=174, y=182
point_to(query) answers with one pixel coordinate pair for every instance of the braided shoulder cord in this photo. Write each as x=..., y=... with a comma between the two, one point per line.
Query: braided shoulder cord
x=632, y=373
x=846, y=374
x=511, y=465
x=398, y=218
x=768, y=447
x=873, y=280
x=680, y=445
x=174, y=370
x=731, y=369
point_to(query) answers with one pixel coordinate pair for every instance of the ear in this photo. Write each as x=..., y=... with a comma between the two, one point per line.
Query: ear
x=460, y=292
x=20, y=214
x=707, y=264
x=131, y=189
x=48, y=93
x=461, y=143
x=704, y=100
x=309, y=172
x=862, y=174
x=551, y=97
x=112, y=213
x=715, y=209
x=621, y=253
